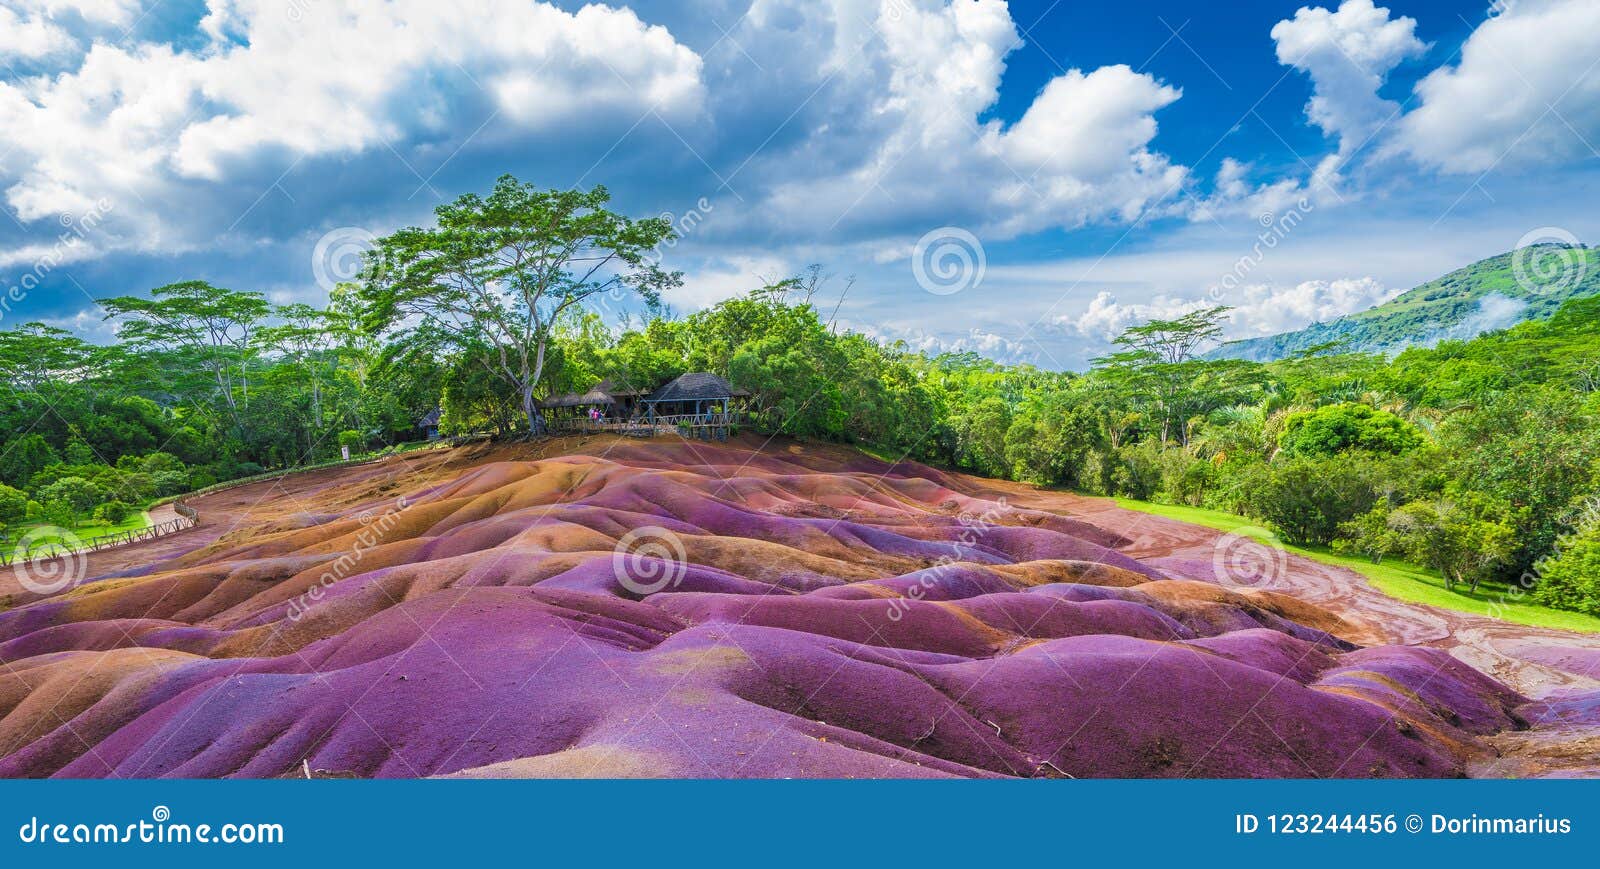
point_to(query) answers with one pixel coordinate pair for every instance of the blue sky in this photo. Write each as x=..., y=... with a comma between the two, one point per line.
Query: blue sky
x=1103, y=162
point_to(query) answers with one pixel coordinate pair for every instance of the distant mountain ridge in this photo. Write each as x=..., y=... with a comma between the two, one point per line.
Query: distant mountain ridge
x=1495, y=293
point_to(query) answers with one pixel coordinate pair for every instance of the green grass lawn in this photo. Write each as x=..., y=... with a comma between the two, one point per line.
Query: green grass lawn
x=85, y=532
x=1407, y=582
x=403, y=447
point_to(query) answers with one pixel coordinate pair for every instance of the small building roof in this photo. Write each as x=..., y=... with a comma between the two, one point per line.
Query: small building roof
x=432, y=419
x=696, y=386
x=615, y=390
x=575, y=399
x=603, y=392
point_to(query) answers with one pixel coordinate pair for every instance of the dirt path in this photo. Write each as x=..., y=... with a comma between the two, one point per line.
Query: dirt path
x=223, y=515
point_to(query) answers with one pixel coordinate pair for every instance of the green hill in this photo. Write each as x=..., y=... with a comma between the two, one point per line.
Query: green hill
x=1501, y=291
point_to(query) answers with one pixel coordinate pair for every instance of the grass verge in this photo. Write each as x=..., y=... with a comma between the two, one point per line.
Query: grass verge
x=85, y=532
x=1408, y=582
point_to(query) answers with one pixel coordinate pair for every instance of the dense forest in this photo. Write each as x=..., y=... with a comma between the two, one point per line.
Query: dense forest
x=1480, y=458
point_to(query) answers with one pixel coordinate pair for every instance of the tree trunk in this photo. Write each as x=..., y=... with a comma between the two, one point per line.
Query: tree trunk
x=530, y=408
x=536, y=426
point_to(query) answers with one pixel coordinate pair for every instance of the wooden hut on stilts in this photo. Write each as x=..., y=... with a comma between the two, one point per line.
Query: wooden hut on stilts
x=699, y=405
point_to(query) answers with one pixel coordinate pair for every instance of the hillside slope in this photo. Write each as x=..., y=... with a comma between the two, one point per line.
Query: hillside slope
x=619, y=608
x=1490, y=294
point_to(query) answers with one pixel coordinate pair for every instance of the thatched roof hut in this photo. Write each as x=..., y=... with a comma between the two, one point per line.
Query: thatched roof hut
x=696, y=386
x=602, y=394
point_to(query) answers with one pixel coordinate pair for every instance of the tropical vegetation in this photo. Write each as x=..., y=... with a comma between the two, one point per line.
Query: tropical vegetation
x=1479, y=459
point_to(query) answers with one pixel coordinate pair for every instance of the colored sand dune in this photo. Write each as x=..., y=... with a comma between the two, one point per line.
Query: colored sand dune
x=670, y=609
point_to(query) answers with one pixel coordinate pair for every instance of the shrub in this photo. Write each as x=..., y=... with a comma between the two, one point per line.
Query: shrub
x=78, y=453
x=1137, y=472
x=1335, y=428
x=1307, y=499
x=13, y=505
x=70, y=498
x=165, y=483
x=1195, y=482
x=158, y=463
x=135, y=486
x=23, y=458
x=113, y=512
x=1464, y=541
x=1570, y=579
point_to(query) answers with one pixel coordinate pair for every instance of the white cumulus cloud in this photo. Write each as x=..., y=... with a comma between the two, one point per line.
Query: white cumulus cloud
x=1258, y=309
x=1525, y=91
x=149, y=125
x=1080, y=153
x=1348, y=53
x=31, y=36
x=983, y=342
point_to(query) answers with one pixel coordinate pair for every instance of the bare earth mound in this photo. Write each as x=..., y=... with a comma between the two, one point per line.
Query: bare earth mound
x=659, y=608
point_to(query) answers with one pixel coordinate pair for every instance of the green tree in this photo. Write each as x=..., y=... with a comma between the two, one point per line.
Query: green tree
x=1570, y=577
x=1308, y=499
x=78, y=453
x=1159, y=367
x=192, y=323
x=1534, y=448
x=1171, y=342
x=306, y=339
x=1335, y=428
x=1463, y=545
x=71, y=498
x=113, y=512
x=498, y=272
x=13, y=508
x=23, y=458
x=36, y=356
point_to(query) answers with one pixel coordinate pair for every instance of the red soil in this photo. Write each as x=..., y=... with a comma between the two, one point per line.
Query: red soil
x=815, y=612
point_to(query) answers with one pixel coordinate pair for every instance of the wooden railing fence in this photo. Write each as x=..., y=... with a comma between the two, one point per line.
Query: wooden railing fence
x=187, y=518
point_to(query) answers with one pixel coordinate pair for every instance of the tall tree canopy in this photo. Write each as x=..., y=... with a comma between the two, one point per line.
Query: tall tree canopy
x=212, y=327
x=497, y=273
